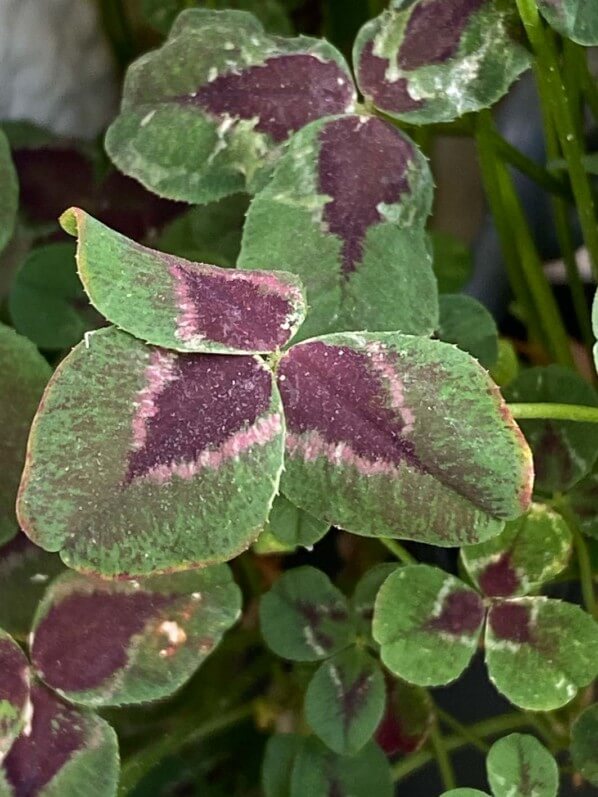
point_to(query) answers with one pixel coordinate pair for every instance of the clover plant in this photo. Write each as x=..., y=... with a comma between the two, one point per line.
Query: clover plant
x=269, y=477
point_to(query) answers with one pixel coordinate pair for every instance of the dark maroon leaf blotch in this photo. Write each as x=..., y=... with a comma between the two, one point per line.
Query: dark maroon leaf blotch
x=499, y=579
x=511, y=621
x=372, y=78
x=462, y=613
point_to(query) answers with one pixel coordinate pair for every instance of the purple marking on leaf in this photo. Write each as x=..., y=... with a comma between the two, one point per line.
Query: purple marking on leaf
x=434, y=31
x=363, y=163
x=14, y=678
x=462, y=613
x=393, y=95
x=511, y=622
x=499, y=579
x=84, y=639
x=247, y=311
x=552, y=453
x=338, y=404
x=315, y=615
x=283, y=94
x=196, y=412
x=56, y=735
x=352, y=695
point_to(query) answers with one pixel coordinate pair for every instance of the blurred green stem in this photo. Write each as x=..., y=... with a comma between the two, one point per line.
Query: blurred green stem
x=586, y=573
x=443, y=759
x=555, y=412
x=397, y=550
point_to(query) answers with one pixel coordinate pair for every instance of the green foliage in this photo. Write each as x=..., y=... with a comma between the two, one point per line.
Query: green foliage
x=292, y=527
x=584, y=744
x=575, y=19
x=467, y=323
x=453, y=262
x=518, y=765
x=160, y=14
x=9, y=196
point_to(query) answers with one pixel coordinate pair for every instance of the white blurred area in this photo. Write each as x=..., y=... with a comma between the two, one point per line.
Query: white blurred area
x=56, y=68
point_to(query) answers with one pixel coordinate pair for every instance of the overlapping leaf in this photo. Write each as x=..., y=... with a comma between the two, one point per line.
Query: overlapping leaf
x=432, y=61
x=277, y=767
x=9, y=195
x=408, y=719
x=292, y=526
x=575, y=19
x=25, y=572
x=520, y=765
x=539, y=651
x=364, y=596
x=177, y=458
x=345, y=211
x=467, y=323
x=47, y=303
x=583, y=499
x=181, y=305
x=103, y=643
x=453, y=262
x=432, y=638
x=206, y=114
x=304, y=617
x=564, y=451
x=391, y=435
x=14, y=691
x=23, y=375
x=65, y=751
x=584, y=744
x=345, y=700
x=530, y=551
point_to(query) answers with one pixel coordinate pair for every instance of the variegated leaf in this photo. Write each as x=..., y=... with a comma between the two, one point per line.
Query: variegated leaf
x=205, y=115
x=99, y=642
x=23, y=375
x=564, y=451
x=171, y=302
x=345, y=699
x=574, y=19
x=432, y=60
x=64, y=751
x=540, y=651
x=14, y=691
x=142, y=460
x=432, y=638
x=345, y=211
x=530, y=551
x=9, y=194
x=304, y=617
x=408, y=720
x=519, y=765
x=392, y=435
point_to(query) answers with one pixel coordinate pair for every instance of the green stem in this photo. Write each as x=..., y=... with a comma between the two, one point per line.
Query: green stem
x=586, y=572
x=118, y=30
x=487, y=728
x=555, y=412
x=461, y=730
x=578, y=57
x=184, y=733
x=553, y=96
x=397, y=550
x=443, y=760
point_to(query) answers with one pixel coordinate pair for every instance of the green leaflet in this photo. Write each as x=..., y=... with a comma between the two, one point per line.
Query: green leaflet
x=595, y=325
x=432, y=639
x=9, y=195
x=399, y=436
x=519, y=766
x=583, y=499
x=364, y=596
x=584, y=744
x=564, y=451
x=47, y=303
x=23, y=376
x=279, y=758
x=453, y=262
x=467, y=323
x=345, y=211
x=575, y=19
x=529, y=644
x=464, y=793
x=101, y=643
x=160, y=480
x=409, y=718
x=14, y=691
x=506, y=368
x=304, y=617
x=66, y=751
x=345, y=701
x=432, y=61
x=160, y=14
x=203, y=116
x=530, y=551
x=293, y=527
x=177, y=304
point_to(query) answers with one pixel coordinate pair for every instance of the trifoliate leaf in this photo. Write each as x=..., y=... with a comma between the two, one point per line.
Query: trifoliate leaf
x=539, y=651
x=177, y=304
x=398, y=436
x=467, y=323
x=574, y=19
x=143, y=460
x=205, y=115
x=304, y=617
x=531, y=550
x=345, y=211
x=520, y=766
x=427, y=623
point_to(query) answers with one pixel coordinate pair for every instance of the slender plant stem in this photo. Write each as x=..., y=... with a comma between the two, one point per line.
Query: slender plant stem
x=443, y=759
x=184, y=733
x=118, y=30
x=553, y=96
x=487, y=728
x=461, y=730
x=397, y=550
x=578, y=57
x=555, y=412
x=586, y=572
